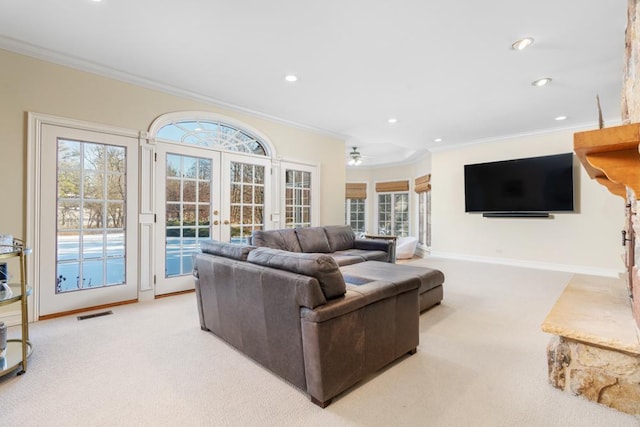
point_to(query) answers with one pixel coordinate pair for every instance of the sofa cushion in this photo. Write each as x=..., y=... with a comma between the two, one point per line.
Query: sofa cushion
x=284, y=239
x=227, y=250
x=397, y=273
x=340, y=237
x=313, y=239
x=364, y=255
x=344, y=258
x=322, y=267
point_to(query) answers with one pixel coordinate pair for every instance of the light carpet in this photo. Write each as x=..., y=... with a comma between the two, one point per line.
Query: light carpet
x=481, y=362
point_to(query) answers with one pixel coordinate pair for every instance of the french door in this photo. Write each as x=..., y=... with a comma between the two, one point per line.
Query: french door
x=87, y=219
x=203, y=194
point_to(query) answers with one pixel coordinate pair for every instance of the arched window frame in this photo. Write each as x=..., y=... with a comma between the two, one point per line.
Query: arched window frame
x=207, y=117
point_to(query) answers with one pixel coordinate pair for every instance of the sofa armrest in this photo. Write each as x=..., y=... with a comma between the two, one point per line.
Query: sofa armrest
x=351, y=301
x=347, y=339
x=357, y=297
x=373, y=244
x=386, y=245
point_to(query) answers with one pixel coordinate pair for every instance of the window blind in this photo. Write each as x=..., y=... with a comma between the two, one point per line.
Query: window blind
x=392, y=186
x=422, y=183
x=355, y=190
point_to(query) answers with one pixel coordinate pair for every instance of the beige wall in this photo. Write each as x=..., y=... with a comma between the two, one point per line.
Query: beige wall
x=587, y=240
x=31, y=85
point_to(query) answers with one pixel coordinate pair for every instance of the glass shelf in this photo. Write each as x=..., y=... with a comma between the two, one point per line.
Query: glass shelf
x=15, y=250
x=14, y=295
x=13, y=356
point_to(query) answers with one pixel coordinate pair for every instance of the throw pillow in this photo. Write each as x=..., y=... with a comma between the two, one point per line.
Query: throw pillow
x=322, y=267
x=313, y=239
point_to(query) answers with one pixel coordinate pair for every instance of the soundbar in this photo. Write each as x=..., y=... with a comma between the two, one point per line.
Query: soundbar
x=516, y=214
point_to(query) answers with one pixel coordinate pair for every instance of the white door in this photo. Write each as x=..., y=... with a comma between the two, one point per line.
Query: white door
x=246, y=183
x=203, y=194
x=87, y=219
x=187, y=196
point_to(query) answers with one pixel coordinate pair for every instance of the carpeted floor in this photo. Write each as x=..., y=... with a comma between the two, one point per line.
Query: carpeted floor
x=481, y=362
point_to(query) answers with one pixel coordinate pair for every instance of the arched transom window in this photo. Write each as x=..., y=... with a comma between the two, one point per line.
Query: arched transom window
x=212, y=134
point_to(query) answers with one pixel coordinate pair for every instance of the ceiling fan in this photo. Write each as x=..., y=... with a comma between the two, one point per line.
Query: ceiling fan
x=355, y=157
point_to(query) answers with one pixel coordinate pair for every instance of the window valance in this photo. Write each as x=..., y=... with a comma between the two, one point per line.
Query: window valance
x=423, y=184
x=392, y=186
x=355, y=190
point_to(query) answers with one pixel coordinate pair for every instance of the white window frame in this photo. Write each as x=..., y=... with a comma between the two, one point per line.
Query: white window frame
x=315, y=191
x=426, y=217
x=377, y=207
x=347, y=214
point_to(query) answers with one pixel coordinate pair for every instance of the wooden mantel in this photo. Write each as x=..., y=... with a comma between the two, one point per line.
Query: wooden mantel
x=611, y=156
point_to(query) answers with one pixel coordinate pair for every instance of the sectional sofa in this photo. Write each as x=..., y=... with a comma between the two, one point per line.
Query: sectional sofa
x=296, y=314
x=320, y=326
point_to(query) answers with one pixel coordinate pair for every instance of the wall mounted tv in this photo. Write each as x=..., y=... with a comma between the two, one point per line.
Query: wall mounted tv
x=530, y=187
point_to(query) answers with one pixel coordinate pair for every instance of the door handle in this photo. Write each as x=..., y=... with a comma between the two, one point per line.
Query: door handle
x=215, y=212
x=216, y=222
x=226, y=222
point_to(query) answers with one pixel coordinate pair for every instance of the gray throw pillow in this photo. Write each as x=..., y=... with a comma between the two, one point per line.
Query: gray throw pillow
x=313, y=239
x=227, y=250
x=284, y=239
x=340, y=237
x=322, y=267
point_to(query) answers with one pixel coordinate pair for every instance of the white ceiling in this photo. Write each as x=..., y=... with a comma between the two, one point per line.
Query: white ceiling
x=444, y=69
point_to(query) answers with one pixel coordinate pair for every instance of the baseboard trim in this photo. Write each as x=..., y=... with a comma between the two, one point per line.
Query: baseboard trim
x=173, y=294
x=11, y=318
x=83, y=310
x=568, y=268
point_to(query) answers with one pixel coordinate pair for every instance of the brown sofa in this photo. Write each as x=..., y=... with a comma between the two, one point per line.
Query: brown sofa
x=338, y=241
x=294, y=313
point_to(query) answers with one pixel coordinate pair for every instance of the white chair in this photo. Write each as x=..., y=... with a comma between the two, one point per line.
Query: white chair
x=406, y=247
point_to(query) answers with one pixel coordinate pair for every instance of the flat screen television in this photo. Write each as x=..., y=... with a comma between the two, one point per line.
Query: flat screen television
x=533, y=186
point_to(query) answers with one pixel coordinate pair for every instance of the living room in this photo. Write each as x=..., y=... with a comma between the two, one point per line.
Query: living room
x=535, y=256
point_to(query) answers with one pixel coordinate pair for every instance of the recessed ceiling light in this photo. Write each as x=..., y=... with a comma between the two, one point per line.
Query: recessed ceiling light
x=437, y=140
x=522, y=43
x=291, y=78
x=392, y=120
x=560, y=118
x=542, y=81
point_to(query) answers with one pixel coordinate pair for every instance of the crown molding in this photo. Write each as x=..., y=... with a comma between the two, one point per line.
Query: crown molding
x=575, y=128
x=59, y=58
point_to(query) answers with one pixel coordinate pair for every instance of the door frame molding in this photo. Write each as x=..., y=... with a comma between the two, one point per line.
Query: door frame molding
x=35, y=122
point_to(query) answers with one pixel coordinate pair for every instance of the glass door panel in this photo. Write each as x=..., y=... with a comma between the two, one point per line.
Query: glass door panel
x=91, y=182
x=297, y=198
x=187, y=197
x=188, y=212
x=246, y=190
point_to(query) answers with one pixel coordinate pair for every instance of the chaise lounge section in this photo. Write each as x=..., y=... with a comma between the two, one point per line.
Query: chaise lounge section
x=431, y=280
